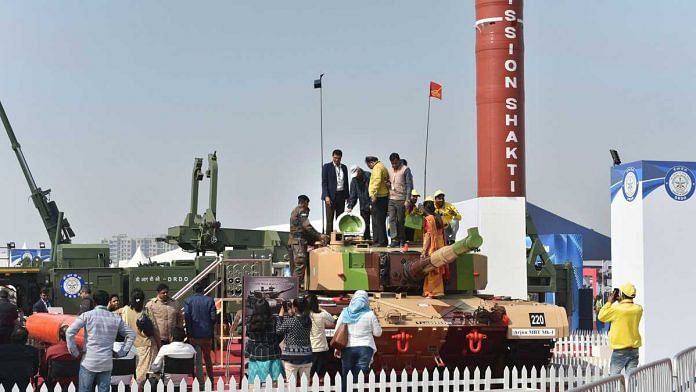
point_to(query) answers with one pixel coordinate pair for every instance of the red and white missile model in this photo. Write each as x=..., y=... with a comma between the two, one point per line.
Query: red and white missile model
x=499, y=210
x=500, y=97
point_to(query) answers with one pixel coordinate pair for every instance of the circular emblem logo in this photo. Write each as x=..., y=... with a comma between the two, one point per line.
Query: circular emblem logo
x=679, y=183
x=71, y=284
x=630, y=184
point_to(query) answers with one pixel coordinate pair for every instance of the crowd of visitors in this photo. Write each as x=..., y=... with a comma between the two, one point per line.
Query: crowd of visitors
x=302, y=330
x=142, y=333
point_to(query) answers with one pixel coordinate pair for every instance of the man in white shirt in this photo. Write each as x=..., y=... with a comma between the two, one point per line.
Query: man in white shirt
x=176, y=349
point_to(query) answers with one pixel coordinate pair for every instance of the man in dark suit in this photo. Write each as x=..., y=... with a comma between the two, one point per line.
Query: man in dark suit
x=334, y=188
x=42, y=305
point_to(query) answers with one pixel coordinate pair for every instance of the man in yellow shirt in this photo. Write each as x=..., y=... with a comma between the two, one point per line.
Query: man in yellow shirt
x=378, y=190
x=624, y=337
x=450, y=216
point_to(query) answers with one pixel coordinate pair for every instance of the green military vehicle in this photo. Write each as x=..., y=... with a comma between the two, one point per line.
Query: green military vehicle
x=225, y=254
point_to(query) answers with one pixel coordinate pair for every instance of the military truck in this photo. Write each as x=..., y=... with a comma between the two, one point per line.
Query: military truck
x=73, y=266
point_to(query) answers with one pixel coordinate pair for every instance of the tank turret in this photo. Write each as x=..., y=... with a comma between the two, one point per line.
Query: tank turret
x=351, y=265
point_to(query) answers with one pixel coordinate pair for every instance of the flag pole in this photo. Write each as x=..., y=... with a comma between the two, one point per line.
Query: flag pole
x=321, y=140
x=425, y=165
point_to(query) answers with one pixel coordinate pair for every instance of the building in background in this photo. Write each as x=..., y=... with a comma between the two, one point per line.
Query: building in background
x=122, y=247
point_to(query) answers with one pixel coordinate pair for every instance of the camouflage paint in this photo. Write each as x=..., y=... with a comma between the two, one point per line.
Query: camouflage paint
x=354, y=271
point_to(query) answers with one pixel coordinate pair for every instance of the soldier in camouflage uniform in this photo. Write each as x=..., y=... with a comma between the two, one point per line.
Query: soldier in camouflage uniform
x=302, y=233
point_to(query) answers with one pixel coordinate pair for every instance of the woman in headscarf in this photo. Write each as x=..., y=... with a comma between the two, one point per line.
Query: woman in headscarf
x=145, y=346
x=433, y=239
x=363, y=327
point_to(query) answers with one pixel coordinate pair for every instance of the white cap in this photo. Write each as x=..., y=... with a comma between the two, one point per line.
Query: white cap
x=354, y=170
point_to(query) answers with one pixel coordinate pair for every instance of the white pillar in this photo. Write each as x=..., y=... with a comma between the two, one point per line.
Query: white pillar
x=501, y=222
x=653, y=232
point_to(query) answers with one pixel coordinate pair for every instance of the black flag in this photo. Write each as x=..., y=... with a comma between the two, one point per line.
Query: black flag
x=317, y=83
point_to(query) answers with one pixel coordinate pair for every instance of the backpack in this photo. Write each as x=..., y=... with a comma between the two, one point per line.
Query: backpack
x=145, y=324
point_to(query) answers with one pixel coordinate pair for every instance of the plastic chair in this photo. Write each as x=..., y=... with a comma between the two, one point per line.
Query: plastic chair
x=178, y=365
x=62, y=369
x=123, y=367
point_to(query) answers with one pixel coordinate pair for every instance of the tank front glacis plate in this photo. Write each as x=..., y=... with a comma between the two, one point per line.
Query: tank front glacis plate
x=418, y=332
x=533, y=320
x=421, y=333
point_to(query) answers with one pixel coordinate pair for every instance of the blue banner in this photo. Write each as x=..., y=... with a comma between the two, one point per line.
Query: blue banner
x=676, y=178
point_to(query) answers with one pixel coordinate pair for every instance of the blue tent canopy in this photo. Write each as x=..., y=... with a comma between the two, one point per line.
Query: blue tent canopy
x=596, y=246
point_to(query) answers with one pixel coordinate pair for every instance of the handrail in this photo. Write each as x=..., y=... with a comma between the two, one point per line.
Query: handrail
x=685, y=370
x=202, y=275
x=652, y=377
x=609, y=384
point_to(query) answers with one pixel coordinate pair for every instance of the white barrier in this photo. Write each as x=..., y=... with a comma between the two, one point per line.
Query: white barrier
x=651, y=377
x=609, y=384
x=583, y=344
x=552, y=380
x=583, y=348
x=685, y=370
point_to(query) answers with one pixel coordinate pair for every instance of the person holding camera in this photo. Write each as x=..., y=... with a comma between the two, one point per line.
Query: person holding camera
x=624, y=336
x=296, y=328
x=263, y=349
x=320, y=346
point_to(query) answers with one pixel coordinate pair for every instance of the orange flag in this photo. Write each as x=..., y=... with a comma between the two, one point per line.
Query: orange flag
x=435, y=90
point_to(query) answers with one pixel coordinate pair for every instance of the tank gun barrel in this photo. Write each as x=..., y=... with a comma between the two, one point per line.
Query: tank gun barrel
x=446, y=255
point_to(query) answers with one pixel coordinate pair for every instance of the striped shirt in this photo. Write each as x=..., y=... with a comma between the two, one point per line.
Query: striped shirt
x=101, y=328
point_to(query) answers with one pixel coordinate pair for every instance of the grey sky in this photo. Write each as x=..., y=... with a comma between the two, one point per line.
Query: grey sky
x=112, y=101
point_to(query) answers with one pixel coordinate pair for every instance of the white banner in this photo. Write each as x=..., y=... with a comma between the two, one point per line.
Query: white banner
x=534, y=332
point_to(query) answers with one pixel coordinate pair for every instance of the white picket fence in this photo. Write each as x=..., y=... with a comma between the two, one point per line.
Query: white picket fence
x=583, y=344
x=550, y=380
x=579, y=359
x=583, y=348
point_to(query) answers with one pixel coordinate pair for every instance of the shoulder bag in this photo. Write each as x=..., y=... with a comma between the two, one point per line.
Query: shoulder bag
x=339, y=341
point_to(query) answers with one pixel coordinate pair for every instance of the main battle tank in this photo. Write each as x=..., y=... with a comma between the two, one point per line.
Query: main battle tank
x=462, y=328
